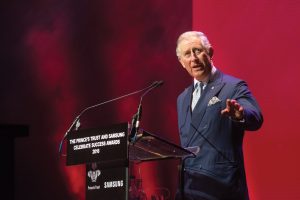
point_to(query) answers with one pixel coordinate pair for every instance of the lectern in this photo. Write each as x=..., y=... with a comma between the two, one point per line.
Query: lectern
x=107, y=152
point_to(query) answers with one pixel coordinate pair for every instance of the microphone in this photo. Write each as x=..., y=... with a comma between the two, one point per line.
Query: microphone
x=76, y=122
x=139, y=113
x=136, y=119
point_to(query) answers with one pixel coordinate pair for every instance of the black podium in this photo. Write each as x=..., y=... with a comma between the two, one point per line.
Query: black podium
x=107, y=153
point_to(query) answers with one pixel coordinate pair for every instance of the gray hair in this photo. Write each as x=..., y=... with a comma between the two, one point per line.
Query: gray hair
x=186, y=35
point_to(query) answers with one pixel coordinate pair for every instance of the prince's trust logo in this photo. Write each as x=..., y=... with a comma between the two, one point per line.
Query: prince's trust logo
x=94, y=174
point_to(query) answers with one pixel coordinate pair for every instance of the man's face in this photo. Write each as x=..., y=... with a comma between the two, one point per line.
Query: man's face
x=195, y=58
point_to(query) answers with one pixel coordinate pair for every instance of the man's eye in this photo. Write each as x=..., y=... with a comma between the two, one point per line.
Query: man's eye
x=197, y=50
x=187, y=54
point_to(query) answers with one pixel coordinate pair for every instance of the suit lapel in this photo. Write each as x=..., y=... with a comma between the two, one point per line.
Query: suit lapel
x=187, y=103
x=212, y=89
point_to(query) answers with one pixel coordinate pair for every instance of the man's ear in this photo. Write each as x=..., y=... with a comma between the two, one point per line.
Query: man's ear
x=211, y=52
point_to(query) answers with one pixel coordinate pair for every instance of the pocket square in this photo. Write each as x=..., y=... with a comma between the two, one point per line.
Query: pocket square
x=213, y=101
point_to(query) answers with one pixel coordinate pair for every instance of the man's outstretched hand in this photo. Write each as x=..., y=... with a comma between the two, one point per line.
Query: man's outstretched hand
x=233, y=109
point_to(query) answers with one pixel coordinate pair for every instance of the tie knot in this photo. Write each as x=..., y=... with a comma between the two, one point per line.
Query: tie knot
x=199, y=86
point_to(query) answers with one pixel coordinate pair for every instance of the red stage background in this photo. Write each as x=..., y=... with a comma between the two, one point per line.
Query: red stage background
x=58, y=57
x=259, y=41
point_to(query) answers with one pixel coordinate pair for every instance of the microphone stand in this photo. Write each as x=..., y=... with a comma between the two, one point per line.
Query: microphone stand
x=76, y=122
x=136, y=119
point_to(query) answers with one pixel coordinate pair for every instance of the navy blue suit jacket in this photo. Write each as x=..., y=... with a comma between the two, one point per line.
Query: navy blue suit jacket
x=220, y=139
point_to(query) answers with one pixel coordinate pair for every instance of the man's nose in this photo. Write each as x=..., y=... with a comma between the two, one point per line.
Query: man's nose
x=194, y=55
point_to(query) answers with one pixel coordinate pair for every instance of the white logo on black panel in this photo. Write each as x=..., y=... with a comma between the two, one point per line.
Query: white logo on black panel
x=94, y=173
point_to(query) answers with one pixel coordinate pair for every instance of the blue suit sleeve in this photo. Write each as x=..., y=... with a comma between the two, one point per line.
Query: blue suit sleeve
x=252, y=112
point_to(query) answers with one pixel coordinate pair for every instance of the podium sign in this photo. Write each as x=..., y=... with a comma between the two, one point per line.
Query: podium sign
x=106, y=145
x=107, y=183
x=106, y=152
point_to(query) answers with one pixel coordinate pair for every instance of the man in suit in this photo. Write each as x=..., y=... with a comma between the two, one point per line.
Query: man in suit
x=213, y=114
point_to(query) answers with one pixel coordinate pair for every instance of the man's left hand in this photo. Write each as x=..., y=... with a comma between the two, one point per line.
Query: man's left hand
x=233, y=109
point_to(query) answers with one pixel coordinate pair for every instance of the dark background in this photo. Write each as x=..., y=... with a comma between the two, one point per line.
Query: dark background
x=58, y=57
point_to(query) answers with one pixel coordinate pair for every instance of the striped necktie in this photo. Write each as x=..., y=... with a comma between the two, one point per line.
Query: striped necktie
x=196, y=94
